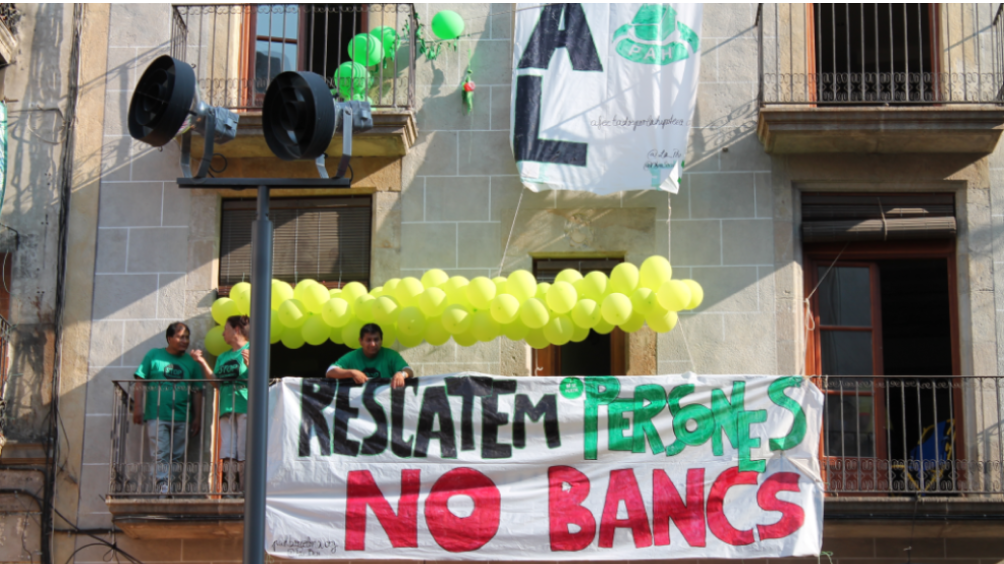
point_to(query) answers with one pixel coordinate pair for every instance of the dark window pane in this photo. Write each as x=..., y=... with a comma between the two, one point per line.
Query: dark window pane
x=849, y=424
x=847, y=353
x=845, y=296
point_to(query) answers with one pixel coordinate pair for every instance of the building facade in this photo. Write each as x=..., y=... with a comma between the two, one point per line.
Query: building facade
x=842, y=204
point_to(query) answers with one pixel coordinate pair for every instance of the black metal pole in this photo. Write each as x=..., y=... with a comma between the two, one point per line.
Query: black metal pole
x=257, y=425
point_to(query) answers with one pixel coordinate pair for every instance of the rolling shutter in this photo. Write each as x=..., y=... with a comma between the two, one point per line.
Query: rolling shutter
x=879, y=217
x=326, y=239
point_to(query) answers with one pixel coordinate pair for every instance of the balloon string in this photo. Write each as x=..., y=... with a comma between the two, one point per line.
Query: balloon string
x=511, y=227
x=686, y=344
x=810, y=320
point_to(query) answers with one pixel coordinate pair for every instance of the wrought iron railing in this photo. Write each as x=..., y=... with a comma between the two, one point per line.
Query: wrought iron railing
x=237, y=49
x=915, y=435
x=169, y=439
x=881, y=54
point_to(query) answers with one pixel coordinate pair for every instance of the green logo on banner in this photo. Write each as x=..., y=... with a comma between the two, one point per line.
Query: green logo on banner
x=655, y=37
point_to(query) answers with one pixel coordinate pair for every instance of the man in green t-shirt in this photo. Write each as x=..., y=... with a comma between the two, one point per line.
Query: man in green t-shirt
x=371, y=360
x=170, y=389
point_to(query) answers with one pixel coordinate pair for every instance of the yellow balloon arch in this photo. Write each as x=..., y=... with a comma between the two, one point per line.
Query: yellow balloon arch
x=439, y=307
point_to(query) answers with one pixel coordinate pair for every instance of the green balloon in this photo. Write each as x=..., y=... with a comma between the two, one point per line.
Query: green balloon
x=365, y=50
x=388, y=38
x=352, y=77
x=447, y=25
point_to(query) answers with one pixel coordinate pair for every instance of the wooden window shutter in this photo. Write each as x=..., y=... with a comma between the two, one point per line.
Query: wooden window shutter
x=327, y=239
x=828, y=217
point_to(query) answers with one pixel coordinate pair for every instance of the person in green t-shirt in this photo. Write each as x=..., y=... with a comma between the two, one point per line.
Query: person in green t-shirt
x=169, y=390
x=232, y=367
x=371, y=360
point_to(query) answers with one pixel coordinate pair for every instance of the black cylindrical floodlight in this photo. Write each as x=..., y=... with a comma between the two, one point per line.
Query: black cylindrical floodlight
x=167, y=103
x=298, y=117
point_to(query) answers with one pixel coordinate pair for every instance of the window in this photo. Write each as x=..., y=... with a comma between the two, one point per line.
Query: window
x=881, y=309
x=597, y=355
x=326, y=239
x=873, y=52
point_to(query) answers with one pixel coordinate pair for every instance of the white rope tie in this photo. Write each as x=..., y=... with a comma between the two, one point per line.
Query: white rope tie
x=511, y=227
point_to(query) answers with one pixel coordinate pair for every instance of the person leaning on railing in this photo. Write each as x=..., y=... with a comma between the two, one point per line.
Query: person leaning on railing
x=232, y=365
x=165, y=410
x=371, y=360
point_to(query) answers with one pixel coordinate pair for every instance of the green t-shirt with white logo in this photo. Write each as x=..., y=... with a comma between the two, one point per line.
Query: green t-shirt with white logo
x=233, y=396
x=385, y=364
x=168, y=401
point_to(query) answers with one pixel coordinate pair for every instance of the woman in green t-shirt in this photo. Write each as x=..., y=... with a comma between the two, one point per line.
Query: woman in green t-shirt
x=232, y=366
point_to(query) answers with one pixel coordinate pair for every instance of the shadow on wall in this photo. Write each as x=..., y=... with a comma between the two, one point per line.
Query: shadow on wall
x=36, y=134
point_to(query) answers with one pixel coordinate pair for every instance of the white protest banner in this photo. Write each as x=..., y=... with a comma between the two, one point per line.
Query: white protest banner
x=478, y=467
x=603, y=94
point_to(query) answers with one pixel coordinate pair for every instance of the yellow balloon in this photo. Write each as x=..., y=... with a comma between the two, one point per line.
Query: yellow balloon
x=292, y=313
x=435, y=334
x=645, y=301
x=579, y=334
x=674, y=295
x=504, y=308
x=662, y=322
x=292, y=338
x=408, y=341
x=389, y=334
x=336, y=312
x=542, y=288
x=536, y=339
x=241, y=293
x=350, y=334
x=275, y=329
x=499, y=282
x=616, y=309
x=634, y=323
x=432, y=302
x=483, y=327
x=456, y=289
x=301, y=287
x=696, y=293
x=569, y=275
x=434, y=278
x=352, y=291
x=390, y=286
x=377, y=292
x=215, y=344
x=594, y=286
x=385, y=310
x=240, y=288
x=224, y=308
x=315, y=331
x=603, y=327
x=586, y=313
x=281, y=292
x=559, y=330
x=515, y=331
x=522, y=285
x=533, y=313
x=624, y=278
x=561, y=297
x=407, y=291
x=465, y=339
x=654, y=272
x=336, y=336
x=456, y=319
x=314, y=297
x=363, y=308
x=480, y=292
x=411, y=322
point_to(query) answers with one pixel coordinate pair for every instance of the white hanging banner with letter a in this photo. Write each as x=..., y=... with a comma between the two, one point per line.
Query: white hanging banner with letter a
x=603, y=94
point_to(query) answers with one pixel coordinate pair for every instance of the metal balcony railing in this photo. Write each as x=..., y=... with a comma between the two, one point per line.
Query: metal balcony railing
x=237, y=49
x=169, y=440
x=914, y=435
x=881, y=54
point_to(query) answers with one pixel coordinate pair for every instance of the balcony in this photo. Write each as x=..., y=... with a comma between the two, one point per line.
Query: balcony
x=237, y=49
x=896, y=452
x=910, y=78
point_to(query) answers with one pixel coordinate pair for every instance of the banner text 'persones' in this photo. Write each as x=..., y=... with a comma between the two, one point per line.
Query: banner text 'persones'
x=492, y=468
x=603, y=94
